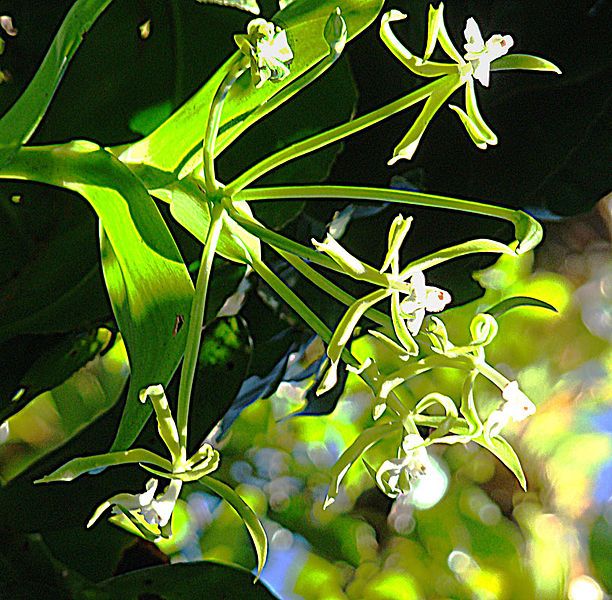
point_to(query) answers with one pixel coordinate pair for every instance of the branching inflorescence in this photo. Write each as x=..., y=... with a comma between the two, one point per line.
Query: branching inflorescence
x=220, y=217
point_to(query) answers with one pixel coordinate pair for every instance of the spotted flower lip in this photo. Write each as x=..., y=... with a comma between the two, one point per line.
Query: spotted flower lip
x=268, y=49
x=517, y=408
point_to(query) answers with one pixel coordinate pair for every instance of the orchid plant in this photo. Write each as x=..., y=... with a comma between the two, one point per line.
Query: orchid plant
x=176, y=164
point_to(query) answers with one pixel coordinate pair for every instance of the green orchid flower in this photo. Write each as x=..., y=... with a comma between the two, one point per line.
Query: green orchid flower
x=268, y=50
x=476, y=64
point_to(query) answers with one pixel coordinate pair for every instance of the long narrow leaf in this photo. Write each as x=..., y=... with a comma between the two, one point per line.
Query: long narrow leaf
x=20, y=122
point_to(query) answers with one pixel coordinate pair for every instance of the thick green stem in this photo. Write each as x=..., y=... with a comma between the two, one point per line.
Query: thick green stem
x=214, y=119
x=331, y=136
x=194, y=332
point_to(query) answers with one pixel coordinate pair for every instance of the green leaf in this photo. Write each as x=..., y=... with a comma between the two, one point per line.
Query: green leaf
x=247, y=5
x=516, y=302
x=253, y=524
x=182, y=581
x=76, y=467
x=148, y=283
x=524, y=62
x=20, y=122
x=504, y=451
x=171, y=144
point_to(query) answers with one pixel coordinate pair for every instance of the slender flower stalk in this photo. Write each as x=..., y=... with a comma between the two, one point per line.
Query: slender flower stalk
x=195, y=325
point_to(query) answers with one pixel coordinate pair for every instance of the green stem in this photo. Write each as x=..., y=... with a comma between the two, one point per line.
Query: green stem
x=214, y=119
x=291, y=298
x=196, y=318
x=317, y=192
x=276, y=240
x=317, y=325
x=527, y=230
x=331, y=136
x=331, y=288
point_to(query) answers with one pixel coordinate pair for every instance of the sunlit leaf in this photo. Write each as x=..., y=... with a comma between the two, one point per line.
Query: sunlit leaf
x=148, y=283
x=171, y=144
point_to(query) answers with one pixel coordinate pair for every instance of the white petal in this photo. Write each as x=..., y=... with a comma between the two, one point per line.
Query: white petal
x=473, y=37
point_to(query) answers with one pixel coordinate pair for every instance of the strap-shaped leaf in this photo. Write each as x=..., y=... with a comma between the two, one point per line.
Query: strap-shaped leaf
x=174, y=141
x=504, y=306
x=76, y=467
x=253, y=524
x=148, y=283
x=20, y=122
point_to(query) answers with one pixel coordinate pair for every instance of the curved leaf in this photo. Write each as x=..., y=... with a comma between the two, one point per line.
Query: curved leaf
x=189, y=208
x=253, y=524
x=172, y=143
x=517, y=302
x=148, y=283
x=20, y=122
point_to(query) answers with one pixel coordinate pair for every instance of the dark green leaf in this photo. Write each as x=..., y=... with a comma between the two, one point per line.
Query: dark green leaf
x=517, y=302
x=184, y=582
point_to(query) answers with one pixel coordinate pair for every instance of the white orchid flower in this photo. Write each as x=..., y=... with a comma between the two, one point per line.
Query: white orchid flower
x=395, y=476
x=154, y=510
x=517, y=407
x=480, y=54
x=268, y=50
x=422, y=299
